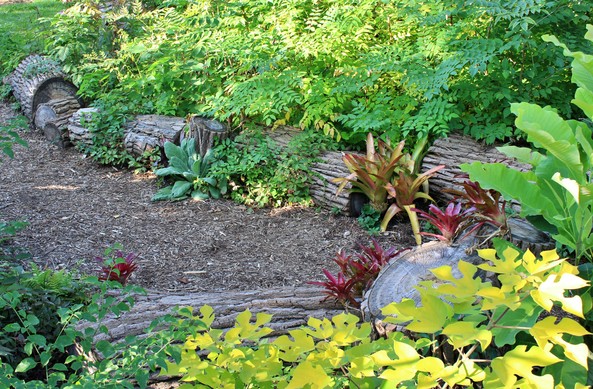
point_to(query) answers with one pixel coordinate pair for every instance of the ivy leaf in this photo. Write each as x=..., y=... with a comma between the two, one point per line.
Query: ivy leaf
x=308, y=375
x=553, y=289
x=463, y=333
x=546, y=331
x=520, y=363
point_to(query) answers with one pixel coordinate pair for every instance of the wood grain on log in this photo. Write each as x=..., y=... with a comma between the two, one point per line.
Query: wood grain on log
x=37, y=80
x=204, y=131
x=53, y=117
x=145, y=132
x=456, y=150
x=290, y=307
x=78, y=127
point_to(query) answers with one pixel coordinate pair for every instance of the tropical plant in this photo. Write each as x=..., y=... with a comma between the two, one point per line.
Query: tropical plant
x=450, y=223
x=556, y=194
x=465, y=333
x=116, y=265
x=356, y=273
x=191, y=174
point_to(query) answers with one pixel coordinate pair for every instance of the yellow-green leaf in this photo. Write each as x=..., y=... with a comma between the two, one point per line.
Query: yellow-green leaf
x=430, y=317
x=308, y=375
x=495, y=297
x=293, y=349
x=546, y=331
x=463, y=333
x=520, y=363
x=553, y=289
x=507, y=264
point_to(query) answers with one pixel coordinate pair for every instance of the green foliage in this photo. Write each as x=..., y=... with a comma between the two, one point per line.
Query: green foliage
x=261, y=173
x=556, y=192
x=344, y=68
x=9, y=136
x=465, y=332
x=370, y=219
x=191, y=173
x=17, y=42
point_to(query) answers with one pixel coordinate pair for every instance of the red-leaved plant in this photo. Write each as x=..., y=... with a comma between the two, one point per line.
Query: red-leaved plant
x=117, y=265
x=356, y=272
x=488, y=205
x=450, y=223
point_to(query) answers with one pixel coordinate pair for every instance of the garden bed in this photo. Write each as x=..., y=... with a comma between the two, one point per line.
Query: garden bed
x=77, y=208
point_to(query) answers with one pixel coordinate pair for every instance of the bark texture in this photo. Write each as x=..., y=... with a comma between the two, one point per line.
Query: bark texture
x=38, y=80
x=205, y=131
x=290, y=307
x=78, y=127
x=146, y=132
x=52, y=118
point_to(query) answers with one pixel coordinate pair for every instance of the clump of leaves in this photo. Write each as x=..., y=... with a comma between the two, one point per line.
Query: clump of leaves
x=450, y=223
x=356, y=272
x=191, y=174
x=370, y=219
x=116, y=265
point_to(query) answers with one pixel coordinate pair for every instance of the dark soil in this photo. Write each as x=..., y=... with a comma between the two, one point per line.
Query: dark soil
x=76, y=208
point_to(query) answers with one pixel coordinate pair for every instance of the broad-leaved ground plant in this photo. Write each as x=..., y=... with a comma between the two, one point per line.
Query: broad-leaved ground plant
x=556, y=194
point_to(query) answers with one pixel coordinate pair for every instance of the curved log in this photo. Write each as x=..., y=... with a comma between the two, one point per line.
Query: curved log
x=290, y=307
x=38, y=80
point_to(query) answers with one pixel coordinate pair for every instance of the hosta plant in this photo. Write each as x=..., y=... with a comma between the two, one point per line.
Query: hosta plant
x=190, y=173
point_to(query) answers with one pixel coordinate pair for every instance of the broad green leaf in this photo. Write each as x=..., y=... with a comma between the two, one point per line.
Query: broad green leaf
x=180, y=189
x=510, y=323
x=199, y=195
x=347, y=330
x=162, y=194
x=570, y=185
x=459, y=289
x=547, y=331
x=520, y=363
x=25, y=365
x=583, y=99
x=431, y=316
x=554, y=288
x=402, y=366
x=38, y=340
x=522, y=154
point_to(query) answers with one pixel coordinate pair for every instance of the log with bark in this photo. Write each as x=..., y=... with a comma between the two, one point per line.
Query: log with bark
x=38, y=80
x=141, y=134
x=205, y=131
x=53, y=117
x=453, y=151
x=291, y=308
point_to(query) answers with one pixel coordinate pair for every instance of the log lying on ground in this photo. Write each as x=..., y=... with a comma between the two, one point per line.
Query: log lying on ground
x=142, y=134
x=53, y=117
x=454, y=151
x=290, y=307
x=38, y=80
x=205, y=131
x=146, y=132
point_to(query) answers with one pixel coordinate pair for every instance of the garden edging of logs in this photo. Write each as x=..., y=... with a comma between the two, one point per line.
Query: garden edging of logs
x=50, y=102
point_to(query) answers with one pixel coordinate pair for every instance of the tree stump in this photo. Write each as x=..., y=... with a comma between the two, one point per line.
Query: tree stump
x=399, y=278
x=291, y=308
x=146, y=132
x=204, y=131
x=52, y=118
x=38, y=80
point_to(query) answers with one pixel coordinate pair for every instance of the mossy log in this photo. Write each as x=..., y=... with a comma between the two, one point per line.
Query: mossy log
x=52, y=119
x=38, y=80
x=290, y=307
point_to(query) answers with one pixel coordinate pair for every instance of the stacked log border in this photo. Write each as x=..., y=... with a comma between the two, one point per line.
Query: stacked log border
x=52, y=119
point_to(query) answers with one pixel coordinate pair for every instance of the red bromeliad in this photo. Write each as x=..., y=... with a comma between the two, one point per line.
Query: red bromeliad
x=117, y=267
x=450, y=223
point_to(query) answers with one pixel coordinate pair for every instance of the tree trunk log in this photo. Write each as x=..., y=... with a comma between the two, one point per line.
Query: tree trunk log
x=204, y=131
x=52, y=118
x=78, y=129
x=290, y=307
x=146, y=132
x=142, y=134
x=456, y=150
x=38, y=80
